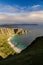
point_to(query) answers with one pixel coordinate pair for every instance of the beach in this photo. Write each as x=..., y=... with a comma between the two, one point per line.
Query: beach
x=17, y=50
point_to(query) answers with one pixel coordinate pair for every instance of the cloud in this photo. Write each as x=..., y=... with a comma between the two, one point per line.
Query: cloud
x=36, y=6
x=17, y=9
x=30, y=17
x=8, y=9
x=17, y=14
x=11, y=9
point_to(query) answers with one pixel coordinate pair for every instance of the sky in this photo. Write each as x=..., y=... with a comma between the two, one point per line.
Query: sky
x=21, y=11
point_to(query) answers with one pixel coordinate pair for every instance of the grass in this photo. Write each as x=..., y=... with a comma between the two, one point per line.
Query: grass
x=5, y=48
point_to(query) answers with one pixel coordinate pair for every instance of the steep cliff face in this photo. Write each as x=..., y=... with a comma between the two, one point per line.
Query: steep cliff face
x=6, y=31
x=10, y=31
x=21, y=31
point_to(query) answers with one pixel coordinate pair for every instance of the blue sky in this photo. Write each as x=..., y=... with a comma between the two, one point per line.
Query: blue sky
x=22, y=2
x=21, y=11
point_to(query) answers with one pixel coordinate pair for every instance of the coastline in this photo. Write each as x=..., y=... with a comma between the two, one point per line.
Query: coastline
x=17, y=50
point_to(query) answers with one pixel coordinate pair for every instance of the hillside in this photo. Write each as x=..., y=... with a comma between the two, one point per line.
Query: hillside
x=32, y=55
x=5, y=33
x=5, y=48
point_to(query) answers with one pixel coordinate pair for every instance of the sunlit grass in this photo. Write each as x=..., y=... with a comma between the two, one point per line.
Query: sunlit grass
x=5, y=48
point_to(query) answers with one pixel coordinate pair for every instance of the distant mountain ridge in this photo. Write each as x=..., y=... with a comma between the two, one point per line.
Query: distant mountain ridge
x=12, y=25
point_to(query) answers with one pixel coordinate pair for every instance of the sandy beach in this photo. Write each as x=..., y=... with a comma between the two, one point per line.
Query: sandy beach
x=17, y=50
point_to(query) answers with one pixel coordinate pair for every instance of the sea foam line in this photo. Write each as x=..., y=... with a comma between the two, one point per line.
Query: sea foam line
x=17, y=50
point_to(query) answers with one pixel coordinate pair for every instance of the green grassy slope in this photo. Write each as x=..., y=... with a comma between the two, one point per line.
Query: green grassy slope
x=5, y=49
x=32, y=55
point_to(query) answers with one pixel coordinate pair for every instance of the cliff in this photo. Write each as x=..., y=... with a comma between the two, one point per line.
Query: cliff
x=10, y=31
x=5, y=33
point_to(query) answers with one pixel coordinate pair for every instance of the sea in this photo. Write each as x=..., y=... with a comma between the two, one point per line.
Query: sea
x=22, y=41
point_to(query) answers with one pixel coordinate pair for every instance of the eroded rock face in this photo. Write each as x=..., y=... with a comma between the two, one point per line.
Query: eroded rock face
x=20, y=31
x=15, y=30
x=6, y=31
x=10, y=31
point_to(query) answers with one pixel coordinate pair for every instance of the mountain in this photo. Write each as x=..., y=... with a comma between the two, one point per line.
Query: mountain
x=32, y=55
x=16, y=25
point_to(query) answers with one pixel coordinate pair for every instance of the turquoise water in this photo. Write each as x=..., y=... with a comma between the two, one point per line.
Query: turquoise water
x=20, y=41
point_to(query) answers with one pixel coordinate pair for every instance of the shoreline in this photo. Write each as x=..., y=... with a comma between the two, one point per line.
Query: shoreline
x=17, y=50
